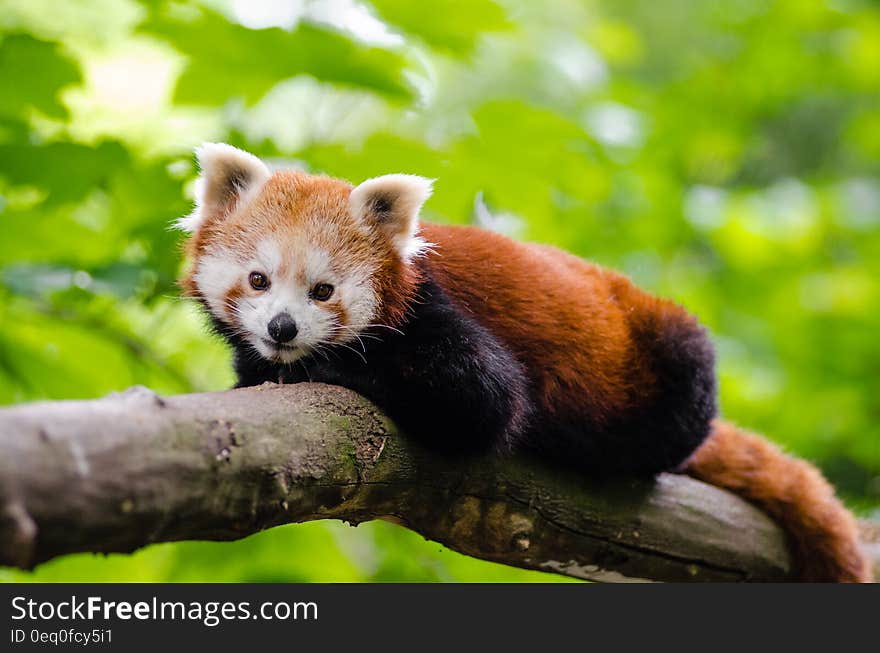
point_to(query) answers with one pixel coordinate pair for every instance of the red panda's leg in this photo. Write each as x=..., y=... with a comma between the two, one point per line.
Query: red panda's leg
x=445, y=380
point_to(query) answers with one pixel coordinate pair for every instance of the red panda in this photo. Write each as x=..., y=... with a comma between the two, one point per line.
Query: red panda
x=472, y=341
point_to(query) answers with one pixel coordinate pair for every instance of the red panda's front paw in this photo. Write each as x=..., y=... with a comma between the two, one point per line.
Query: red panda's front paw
x=324, y=372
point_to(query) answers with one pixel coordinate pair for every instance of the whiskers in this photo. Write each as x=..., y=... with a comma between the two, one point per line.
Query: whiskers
x=353, y=350
x=337, y=328
x=372, y=325
x=355, y=332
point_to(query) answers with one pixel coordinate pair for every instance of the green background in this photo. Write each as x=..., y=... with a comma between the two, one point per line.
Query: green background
x=725, y=154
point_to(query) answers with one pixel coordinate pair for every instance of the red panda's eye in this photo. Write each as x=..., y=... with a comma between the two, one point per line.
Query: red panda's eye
x=258, y=281
x=322, y=292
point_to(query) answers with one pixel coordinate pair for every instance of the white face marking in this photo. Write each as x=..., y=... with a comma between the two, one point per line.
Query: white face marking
x=214, y=276
x=292, y=274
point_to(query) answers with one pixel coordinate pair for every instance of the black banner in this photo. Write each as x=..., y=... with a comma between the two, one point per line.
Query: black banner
x=438, y=617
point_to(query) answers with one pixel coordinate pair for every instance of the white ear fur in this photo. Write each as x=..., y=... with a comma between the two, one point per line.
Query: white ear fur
x=228, y=175
x=392, y=203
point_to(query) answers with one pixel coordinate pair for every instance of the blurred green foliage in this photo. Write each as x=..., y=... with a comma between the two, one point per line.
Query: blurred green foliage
x=723, y=153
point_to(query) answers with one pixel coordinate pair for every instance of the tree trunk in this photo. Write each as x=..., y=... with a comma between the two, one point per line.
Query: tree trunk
x=116, y=474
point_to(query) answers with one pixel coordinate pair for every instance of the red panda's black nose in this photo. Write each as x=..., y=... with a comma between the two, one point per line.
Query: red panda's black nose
x=282, y=328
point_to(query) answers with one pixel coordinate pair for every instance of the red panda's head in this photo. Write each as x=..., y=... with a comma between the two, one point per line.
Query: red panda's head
x=290, y=262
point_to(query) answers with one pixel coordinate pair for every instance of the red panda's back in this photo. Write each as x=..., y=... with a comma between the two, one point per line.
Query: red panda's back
x=564, y=318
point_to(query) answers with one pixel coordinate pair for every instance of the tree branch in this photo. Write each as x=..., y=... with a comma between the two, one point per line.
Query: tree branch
x=118, y=473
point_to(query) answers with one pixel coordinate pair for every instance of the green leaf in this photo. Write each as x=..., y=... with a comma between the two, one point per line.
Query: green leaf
x=123, y=280
x=66, y=171
x=31, y=74
x=95, y=206
x=452, y=25
x=227, y=60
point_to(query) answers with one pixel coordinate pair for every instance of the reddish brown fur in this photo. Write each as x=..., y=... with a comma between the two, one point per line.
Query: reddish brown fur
x=824, y=535
x=570, y=322
x=229, y=301
x=341, y=315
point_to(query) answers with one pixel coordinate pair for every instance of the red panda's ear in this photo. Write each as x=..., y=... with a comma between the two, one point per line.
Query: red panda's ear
x=228, y=175
x=392, y=203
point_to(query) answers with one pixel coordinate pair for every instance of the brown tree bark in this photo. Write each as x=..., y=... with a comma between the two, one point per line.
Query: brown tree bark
x=116, y=474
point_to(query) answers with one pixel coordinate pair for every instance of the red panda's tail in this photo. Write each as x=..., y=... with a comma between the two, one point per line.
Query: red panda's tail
x=823, y=534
